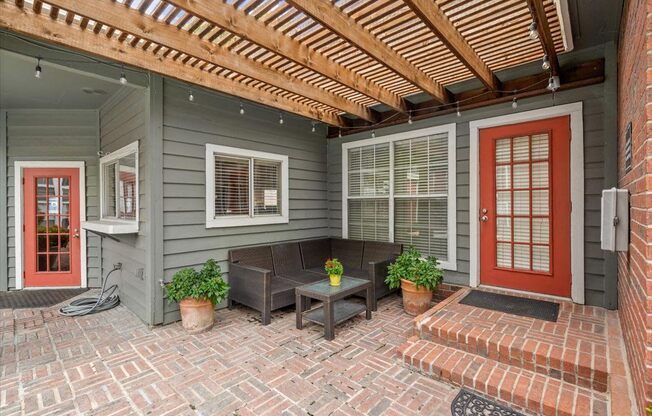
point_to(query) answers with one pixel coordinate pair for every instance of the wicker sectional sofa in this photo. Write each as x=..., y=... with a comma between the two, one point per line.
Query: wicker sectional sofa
x=264, y=277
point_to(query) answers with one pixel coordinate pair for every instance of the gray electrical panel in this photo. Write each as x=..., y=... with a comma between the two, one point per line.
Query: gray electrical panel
x=614, y=230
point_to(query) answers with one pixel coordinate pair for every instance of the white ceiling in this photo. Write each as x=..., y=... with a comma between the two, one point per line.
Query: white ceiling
x=59, y=87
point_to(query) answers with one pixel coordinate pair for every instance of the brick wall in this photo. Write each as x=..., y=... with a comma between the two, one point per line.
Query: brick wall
x=635, y=267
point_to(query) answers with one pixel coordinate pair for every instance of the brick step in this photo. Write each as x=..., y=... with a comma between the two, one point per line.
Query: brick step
x=516, y=387
x=587, y=369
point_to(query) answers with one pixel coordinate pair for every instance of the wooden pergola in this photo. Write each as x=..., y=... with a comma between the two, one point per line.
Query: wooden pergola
x=330, y=61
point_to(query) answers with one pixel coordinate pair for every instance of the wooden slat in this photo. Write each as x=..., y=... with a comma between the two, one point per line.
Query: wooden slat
x=144, y=27
x=248, y=27
x=338, y=22
x=27, y=23
x=432, y=15
x=545, y=36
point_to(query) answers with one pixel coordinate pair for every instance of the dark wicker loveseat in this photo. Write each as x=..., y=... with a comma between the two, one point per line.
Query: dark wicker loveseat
x=264, y=277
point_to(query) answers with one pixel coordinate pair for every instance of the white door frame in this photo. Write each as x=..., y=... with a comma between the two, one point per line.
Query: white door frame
x=574, y=110
x=19, y=166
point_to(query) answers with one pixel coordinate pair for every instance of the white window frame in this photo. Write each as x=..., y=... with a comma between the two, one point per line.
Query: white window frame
x=115, y=225
x=451, y=262
x=243, y=220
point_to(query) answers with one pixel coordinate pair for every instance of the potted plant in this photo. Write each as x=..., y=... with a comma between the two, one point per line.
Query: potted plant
x=334, y=268
x=197, y=293
x=417, y=277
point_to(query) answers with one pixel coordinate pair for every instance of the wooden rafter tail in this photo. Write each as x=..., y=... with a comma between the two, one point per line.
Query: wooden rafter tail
x=238, y=22
x=545, y=36
x=330, y=16
x=150, y=30
x=27, y=23
x=435, y=19
x=576, y=76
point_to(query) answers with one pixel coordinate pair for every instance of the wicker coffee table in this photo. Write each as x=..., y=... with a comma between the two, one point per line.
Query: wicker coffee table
x=335, y=308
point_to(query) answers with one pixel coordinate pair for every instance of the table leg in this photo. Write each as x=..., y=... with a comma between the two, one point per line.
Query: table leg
x=300, y=309
x=370, y=302
x=329, y=321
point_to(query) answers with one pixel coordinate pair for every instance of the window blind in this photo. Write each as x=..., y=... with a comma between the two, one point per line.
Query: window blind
x=267, y=191
x=231, y=186
x=369, y=219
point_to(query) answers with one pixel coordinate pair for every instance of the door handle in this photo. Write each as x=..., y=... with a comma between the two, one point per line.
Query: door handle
x=76, y=233
x=484, y=218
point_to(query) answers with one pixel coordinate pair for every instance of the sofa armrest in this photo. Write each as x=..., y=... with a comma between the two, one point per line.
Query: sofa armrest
x=378, y=269
x=251, y=280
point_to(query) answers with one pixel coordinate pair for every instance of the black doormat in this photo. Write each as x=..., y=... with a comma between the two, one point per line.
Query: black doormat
x=532, y=308
x=467, y=403
x=21, y=299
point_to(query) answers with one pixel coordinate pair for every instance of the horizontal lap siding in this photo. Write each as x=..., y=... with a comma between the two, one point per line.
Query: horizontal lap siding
x=53, y=135
x=594, y=181
x=188, y=127
x=123, y=120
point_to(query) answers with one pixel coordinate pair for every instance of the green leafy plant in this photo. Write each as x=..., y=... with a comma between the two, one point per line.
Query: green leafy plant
x=334, y=267
x=649, y=410
x=411, y=266
x=206, y=283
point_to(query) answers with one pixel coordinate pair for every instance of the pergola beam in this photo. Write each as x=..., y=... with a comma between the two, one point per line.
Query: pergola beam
x=331, y=17
x=144, y=27
x=545, y=36
x=25, y=22
x=435, y=19
x=238, y=22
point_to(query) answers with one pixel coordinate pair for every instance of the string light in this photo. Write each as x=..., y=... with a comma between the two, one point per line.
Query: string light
x=459, y=113
x=514, y=102
x=242, y=110
x=280, y=118
x=191, y=97
x=410, y=117
x=38, y=69
x=123, y=78
x=553, y=83
x=314, y=128
x=373, y=134
x=339, y=133
x=545, y=63
x=534, y=33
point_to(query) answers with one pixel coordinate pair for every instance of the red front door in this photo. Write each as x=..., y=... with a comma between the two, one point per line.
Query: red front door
x=525, y=206
x=51, y=234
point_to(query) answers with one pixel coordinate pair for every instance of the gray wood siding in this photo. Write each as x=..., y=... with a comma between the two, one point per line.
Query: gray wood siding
x=123, y=120
x=598, y=278
x=188, y=127
x=53, y=135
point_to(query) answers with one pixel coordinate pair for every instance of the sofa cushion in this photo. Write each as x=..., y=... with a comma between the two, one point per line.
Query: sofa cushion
x=259, y=256
x=349, y=252
x=354, y=272
x=303, y=277
x=318, y=270
x=315, y=252
x=377, y=251
x=287, y=258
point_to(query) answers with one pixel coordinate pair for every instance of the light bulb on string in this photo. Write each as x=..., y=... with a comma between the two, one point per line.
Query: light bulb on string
x=459, y=113
x=314, y=128
x=514, y=102
x=410, y=118
x=339, y=133
x=534, y=33
x=545, y=63
x=38, y=69
x=280, y=118
x=191, y=97
x=123, y=78
x=373, y=134
x=242, y=110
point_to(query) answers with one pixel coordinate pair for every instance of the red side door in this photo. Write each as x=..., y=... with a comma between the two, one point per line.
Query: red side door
x=525, y=206
x=52, y=254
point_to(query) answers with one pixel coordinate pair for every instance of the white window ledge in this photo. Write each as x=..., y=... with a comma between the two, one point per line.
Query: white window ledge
x=243, y=221
x=111, y=226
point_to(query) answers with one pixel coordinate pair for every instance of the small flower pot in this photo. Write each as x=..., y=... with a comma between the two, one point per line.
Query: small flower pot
x=415, y=301
x=336, y=279
x=196, y=315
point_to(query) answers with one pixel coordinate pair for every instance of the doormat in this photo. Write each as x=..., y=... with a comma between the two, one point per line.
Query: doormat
x=532, y=308
x=22, y=299
x=467, y=403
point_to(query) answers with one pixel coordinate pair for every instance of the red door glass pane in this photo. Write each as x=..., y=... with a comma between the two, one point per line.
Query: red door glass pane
x=53, y=231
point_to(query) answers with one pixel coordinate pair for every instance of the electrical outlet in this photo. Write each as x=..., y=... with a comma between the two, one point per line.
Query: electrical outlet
x=117, y=266
x=140, y=273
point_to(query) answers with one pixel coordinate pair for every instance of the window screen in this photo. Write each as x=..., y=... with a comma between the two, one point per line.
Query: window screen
x=231, y=186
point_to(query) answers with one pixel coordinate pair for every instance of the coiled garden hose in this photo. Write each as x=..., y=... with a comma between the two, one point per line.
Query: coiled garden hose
x=107, y=299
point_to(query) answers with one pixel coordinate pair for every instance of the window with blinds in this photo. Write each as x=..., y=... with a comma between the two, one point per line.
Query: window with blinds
x=400, y=188
x=249, y=187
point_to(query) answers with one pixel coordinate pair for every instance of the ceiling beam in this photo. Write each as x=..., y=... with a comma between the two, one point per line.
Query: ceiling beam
x=545, y=36
x=144, y=27
x=435, y=19
x=236, y=21
x=42, y=27
x=575, y=76
x=331, y=17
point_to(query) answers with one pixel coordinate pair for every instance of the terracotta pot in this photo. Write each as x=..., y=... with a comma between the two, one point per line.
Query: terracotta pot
x=336, y=279
x=415, y=301
x=196, y=315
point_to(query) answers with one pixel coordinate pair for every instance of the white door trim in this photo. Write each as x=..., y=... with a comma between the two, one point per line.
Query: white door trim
x=18, y=211
x=574, y=110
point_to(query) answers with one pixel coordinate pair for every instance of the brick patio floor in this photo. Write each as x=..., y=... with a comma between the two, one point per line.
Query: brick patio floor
x=110, y=364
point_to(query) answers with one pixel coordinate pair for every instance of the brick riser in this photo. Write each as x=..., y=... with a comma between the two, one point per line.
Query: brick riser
x=576, y=367
x=514, y=386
